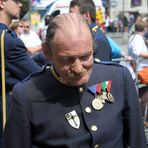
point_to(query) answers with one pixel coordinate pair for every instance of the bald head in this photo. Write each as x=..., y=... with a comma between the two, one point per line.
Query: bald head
x=69, y=26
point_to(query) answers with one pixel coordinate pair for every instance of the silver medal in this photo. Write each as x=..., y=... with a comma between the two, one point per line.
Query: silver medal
x=97, y=104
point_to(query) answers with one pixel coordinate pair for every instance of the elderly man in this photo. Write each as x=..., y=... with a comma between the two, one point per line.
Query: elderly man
x=74, y=103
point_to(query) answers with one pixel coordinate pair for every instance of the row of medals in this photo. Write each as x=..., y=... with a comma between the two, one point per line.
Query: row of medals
x=99, y=100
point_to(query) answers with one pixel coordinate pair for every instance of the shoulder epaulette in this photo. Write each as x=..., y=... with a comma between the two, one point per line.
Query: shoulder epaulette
x=34, y=74
x=13, y=33
x=10, y=32
x=96, y=60
x=94, y=29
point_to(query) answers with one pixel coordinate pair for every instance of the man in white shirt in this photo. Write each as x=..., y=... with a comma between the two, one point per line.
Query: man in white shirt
x=30, y=38
x=137, y=47
x=138, y=50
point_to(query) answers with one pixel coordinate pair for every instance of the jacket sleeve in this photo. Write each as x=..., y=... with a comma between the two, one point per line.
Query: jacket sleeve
x=18, y=62
x=132, y=119
x=102, y=48
x=17, y=132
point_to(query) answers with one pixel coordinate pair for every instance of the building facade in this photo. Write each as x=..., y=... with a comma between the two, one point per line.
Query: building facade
x=125, y=6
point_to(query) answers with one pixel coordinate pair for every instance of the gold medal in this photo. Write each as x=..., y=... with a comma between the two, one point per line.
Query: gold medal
x=97, y=104
x=110, y=97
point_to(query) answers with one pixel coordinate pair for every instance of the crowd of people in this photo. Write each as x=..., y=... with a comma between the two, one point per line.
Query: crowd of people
x=62, y=89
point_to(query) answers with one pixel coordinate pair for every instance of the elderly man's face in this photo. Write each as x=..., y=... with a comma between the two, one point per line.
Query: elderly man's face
x=26, y=27
x=73, y=57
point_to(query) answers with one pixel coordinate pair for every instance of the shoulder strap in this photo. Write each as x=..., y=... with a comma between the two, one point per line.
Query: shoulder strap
x=3, y=77
x=133, y=37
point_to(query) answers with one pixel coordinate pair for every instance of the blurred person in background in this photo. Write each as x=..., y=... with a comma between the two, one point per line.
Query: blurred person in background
x=137, y=47
x=131, y=20
x=30, y=38
x=87, y=8
x=138, y=50
x=146, y=33
x=42, y=31
x=17, y=26
x=120, y=56
x=18, y=65
x=137, y=19
x=107, y=22
x=117, y=52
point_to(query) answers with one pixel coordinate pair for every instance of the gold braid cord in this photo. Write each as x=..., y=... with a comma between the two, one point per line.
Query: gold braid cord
x=3, y=79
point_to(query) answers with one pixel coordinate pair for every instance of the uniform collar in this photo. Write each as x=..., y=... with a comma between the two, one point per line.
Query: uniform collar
x=3, y=26
x=92, y=25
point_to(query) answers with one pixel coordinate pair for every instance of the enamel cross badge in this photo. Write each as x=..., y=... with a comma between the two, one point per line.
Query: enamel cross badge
x=73, y=119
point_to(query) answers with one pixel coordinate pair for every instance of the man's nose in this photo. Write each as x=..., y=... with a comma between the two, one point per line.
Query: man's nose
x=77, y=66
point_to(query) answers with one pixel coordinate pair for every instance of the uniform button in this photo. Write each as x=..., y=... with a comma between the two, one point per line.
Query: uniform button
x=97, y=146
x=88, y=109
x=97, y=60
x=81, y=89
x=94, y=128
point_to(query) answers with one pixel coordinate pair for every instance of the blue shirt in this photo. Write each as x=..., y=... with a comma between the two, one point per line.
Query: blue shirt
x=116, y=50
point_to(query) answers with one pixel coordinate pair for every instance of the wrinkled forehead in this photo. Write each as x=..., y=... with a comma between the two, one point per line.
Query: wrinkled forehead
x=71, y=26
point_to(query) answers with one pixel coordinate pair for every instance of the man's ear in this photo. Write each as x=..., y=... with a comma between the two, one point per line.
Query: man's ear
x=47, y=51
x=1, y=4
x=86, y=15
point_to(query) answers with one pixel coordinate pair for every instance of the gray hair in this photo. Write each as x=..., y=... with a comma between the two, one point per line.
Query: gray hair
x=70, y=24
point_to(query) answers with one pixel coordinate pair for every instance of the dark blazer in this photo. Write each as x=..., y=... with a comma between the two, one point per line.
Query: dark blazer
x=39, y=58
x=18, y=65
x=47, y=114
x=17, y=62
x=102, y=48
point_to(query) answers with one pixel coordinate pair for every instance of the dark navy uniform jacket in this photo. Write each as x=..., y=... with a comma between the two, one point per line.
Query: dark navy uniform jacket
x=18, y=65
x=40, y=105
x=102, y=49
